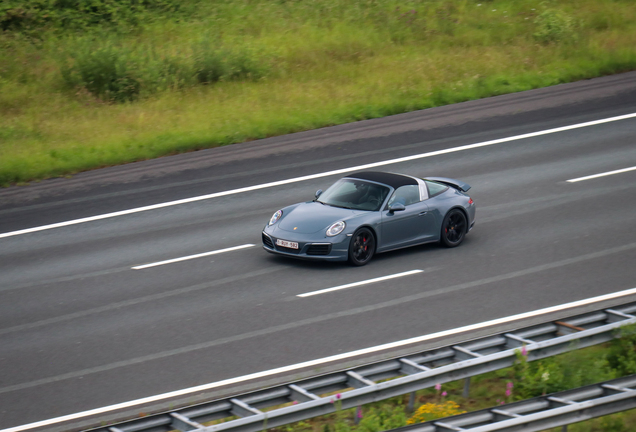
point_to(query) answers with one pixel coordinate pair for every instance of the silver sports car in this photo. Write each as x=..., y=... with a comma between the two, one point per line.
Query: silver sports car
x=372, y=212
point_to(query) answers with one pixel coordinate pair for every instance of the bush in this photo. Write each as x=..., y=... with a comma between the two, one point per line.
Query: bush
x=106, y=72
x=209, y=66
x=116, y=73
x=381, y=418
x=244, y=64
x=173, y=73
x=570, y=370
x=17, y=15
x=622, y=352
x=216, y=64
x=554, y=26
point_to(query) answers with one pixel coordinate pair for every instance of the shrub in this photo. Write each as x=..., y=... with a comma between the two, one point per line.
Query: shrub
x=381, y=418
x=622, y=352
x=554, y=26
x=571, y=370
x=16, y=15
x=244, y=64
x=537, y=378
x=106, y=72
x=174, y=73
x=117, y=73
x=216, y=64
x=209, y=66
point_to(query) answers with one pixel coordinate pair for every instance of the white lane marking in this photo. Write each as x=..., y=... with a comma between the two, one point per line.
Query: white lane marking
x=189, y=257
x=365, y=282
x=609, y=173
x=315, y=176
x=316, y=362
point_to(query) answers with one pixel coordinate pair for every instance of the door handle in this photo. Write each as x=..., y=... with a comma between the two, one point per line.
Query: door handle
x=422, y=213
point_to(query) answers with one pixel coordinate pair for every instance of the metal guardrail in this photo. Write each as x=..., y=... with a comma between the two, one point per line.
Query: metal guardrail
x=541, y=413
x=309, y=398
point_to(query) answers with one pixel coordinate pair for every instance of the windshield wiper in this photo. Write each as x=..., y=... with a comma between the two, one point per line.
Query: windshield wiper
x=339, y=206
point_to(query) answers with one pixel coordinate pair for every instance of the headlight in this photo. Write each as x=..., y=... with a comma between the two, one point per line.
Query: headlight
x=336, y=228
x=275, y=217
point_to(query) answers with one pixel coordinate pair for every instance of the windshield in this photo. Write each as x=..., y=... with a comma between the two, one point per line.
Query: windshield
x=354, y=194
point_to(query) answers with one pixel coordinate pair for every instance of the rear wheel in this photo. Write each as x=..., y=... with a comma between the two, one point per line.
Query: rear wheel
x=362, y=247
x=453, y=228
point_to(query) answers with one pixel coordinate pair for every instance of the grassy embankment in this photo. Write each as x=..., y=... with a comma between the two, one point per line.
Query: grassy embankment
x=522, y=381
x=81, y=94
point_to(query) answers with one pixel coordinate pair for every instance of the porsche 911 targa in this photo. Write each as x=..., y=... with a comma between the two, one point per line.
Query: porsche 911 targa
x=372, y=212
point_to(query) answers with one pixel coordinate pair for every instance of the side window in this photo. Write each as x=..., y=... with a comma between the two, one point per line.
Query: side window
x=407, y=195
x=435, y=188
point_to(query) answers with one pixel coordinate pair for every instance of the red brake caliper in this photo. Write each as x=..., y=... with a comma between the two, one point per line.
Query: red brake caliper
x=364, y=239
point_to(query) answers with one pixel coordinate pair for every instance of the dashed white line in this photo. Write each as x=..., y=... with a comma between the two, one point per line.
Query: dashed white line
x=320, y=361
x=319, y=175
x=609, y=173
x=355, y=284
x=189, y=257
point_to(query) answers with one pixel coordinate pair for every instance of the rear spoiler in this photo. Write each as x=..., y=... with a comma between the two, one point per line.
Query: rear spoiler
x=457, y=184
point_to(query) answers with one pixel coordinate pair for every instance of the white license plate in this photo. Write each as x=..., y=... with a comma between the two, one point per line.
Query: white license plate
x=287, y=244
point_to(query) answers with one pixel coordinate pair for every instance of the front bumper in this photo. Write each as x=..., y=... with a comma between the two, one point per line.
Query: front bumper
x=309, y=249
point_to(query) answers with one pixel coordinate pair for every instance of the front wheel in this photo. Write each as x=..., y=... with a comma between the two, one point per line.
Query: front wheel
x=362, y=247
x=453, y=228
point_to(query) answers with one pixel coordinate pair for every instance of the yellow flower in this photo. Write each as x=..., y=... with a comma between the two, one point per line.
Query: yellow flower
x=432, y=411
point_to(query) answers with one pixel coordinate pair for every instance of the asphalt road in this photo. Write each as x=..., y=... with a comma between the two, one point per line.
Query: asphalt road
x=81, y=329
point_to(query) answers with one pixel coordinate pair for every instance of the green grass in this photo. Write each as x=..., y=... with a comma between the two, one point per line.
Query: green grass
x=243, y=70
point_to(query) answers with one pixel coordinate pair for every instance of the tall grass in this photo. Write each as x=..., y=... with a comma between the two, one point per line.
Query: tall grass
x=240, y=70
x=34, y=15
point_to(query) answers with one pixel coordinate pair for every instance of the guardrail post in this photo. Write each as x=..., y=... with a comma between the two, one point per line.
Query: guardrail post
x=411, y=406
x=466, y=391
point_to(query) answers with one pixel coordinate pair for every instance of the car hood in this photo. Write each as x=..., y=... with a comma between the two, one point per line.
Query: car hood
x=311, y=217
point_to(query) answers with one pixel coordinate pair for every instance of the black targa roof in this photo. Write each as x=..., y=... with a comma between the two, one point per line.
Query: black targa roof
x=393, y=180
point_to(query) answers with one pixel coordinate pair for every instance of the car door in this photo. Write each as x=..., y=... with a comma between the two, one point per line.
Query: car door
x=409, y=226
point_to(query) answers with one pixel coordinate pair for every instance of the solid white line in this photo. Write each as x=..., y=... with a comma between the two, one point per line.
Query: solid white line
x=609, y=173
x=365, y=282
x=324, y=360
x=315, y=176
x=185, y=258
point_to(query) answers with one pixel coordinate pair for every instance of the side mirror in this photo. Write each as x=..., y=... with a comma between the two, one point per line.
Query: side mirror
x=318, y=193
x=396, y=207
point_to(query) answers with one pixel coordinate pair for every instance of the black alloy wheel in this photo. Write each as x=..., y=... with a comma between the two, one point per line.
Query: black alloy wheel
x=453, y=228
x=362, y=247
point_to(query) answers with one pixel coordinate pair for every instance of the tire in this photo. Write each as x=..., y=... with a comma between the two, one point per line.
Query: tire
x=362, y=247
x=453, y=228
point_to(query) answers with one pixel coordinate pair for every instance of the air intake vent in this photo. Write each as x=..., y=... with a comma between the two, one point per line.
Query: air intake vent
x=267, y=241
x=319, y=249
